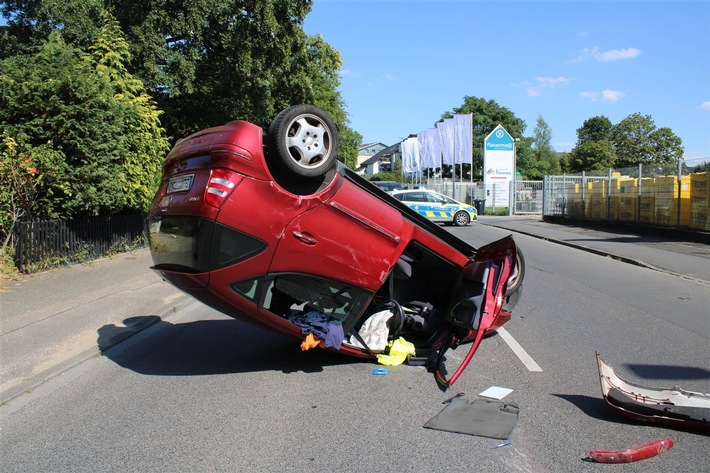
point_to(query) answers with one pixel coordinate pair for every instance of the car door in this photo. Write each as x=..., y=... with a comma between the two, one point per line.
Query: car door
x=354, y=237
x=441, y=208
x=419, y=202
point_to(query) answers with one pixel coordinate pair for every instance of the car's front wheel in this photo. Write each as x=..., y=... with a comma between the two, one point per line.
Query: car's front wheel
x=516, y=278
x=303, y=141
x=462, y=218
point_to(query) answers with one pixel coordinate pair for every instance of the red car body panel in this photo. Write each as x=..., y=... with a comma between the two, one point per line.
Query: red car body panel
x=346, y=231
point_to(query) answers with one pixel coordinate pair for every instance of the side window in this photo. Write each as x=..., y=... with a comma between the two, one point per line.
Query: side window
x=433, y=198
x=417, y=197
x=248, y=289
x=289, y=295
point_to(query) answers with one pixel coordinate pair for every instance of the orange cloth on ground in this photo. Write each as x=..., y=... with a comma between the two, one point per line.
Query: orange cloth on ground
x=311, y=341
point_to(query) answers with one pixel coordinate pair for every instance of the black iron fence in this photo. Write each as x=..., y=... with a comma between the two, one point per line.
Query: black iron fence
x=46, y=243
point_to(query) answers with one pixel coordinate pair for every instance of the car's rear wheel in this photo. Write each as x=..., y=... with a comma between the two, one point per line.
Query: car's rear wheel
x=461, y=218
x=303, y=142
x=516, y=279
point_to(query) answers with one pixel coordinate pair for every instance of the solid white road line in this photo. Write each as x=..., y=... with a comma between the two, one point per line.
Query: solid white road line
x=518, y=350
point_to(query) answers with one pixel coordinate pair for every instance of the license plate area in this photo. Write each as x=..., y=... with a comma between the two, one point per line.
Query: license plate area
x=180, y=183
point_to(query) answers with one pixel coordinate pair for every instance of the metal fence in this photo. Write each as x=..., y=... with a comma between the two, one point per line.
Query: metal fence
x=649, y=195
x=519, y=197
x=48, y=243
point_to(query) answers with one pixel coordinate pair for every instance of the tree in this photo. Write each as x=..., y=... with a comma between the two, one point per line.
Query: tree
x=25, y=171
x=631, y=140
x=486, y=115
x=592, y=155
x=594, y=150
x=146, y=144
x=666, y=146
x=349, y=142
x=546, y=162
x=594, y=129
x=90, y=110
x=636, y=141
x=30, y=23
x=525, y=159
x=55, y=98
x=211, y=61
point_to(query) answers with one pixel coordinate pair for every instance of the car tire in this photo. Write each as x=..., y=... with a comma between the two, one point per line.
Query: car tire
x=462, y=218
x=516, y=279
x=303, y=142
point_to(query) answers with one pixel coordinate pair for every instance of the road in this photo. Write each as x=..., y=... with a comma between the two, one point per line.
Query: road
x=201, y=392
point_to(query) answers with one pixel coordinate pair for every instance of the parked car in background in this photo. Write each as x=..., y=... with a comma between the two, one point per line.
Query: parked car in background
x=284, y=235
x=437, y=207
x=388, y=186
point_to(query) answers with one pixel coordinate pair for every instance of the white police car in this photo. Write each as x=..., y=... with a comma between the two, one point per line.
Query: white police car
x=437, y=207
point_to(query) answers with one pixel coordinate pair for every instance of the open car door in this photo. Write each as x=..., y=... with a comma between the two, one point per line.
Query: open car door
x=477, y=301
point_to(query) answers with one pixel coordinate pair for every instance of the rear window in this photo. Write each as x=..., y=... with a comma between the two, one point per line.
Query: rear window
x=198, y=245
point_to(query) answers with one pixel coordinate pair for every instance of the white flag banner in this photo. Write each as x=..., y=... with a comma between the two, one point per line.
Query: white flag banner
x=415, y=155
x=406, y=151
x=464, y=139
x=446, y=134
x=423, y=138
x=433, y=149
x=410, y=155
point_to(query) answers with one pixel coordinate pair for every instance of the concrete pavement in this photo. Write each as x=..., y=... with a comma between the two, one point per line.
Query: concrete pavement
x=57, y=319
x=674, y=252
x=53, y=320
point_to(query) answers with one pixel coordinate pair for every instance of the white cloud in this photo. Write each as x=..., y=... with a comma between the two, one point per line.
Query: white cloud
x=613, y=96
x=705, y=105
x=606, y=95
x=617, y=54
x=549, y=82
x=386, y=77
x=541, y=84
x=595, y=54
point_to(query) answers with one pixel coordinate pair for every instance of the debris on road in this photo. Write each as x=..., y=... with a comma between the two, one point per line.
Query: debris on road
x=632, y=454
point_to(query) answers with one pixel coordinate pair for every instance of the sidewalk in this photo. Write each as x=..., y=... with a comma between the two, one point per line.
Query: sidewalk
x=57, y=319
x=669, y=252
x=50, y=321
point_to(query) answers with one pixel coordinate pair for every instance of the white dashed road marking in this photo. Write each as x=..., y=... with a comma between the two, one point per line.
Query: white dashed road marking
x=518, y=350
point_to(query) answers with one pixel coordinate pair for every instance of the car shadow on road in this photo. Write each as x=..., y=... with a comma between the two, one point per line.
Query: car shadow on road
x=209, y=347
x=591, y=406
x=669, y=372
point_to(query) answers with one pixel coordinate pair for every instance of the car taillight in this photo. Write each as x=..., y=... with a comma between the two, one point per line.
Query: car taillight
x=222, y=183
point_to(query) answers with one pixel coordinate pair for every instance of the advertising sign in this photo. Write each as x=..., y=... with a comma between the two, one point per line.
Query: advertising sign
x=498, y=166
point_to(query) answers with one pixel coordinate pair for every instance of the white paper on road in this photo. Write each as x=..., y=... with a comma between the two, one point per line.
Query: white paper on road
x=495, y=392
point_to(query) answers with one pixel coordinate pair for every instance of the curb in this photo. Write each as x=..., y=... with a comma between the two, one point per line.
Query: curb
x=30, y=384
x=623, y=259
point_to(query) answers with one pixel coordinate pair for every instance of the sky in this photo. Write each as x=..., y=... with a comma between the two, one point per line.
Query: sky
x=406, y=62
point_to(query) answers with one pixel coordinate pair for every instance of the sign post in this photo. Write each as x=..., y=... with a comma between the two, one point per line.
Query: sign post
x=498, y=164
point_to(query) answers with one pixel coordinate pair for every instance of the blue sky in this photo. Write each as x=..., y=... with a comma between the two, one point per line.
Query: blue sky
x=405, y=62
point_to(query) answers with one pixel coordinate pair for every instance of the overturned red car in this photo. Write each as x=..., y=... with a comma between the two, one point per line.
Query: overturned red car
x=273, y=229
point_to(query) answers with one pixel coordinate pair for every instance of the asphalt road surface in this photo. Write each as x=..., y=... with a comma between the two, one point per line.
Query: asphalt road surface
x=201, y=392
